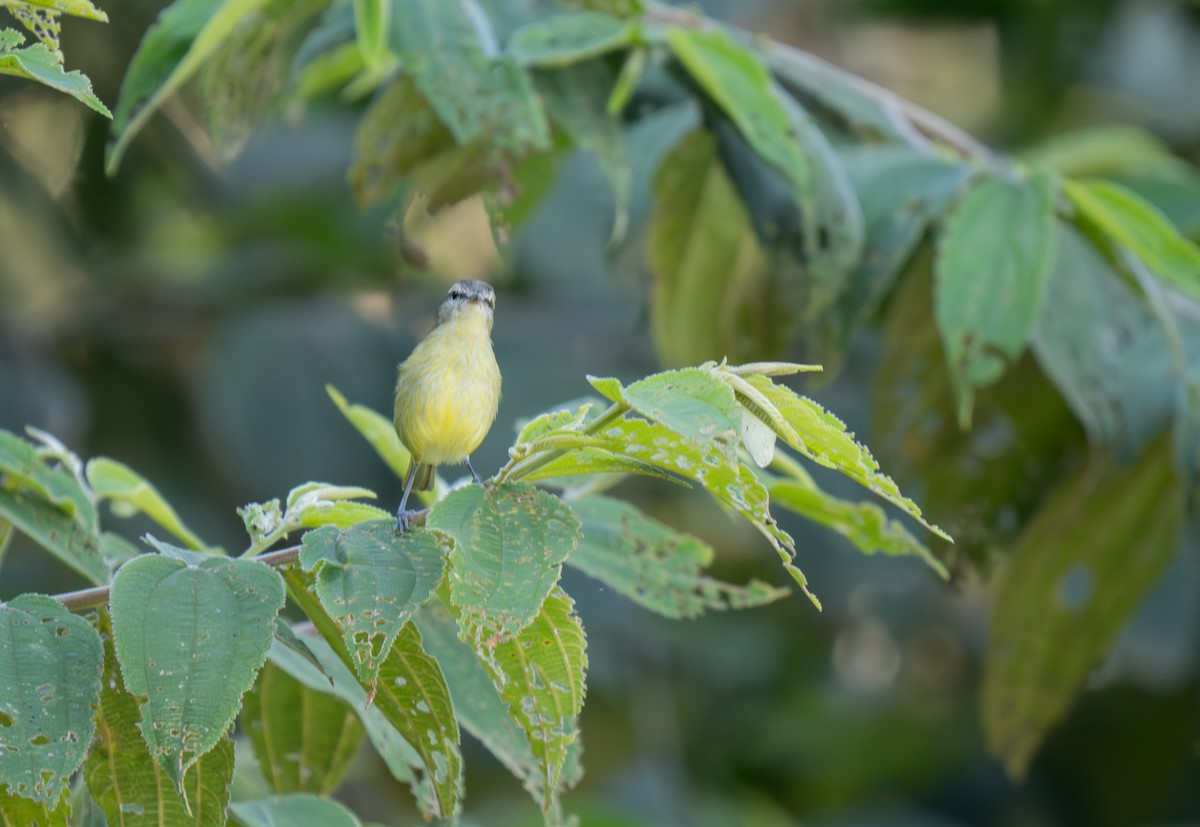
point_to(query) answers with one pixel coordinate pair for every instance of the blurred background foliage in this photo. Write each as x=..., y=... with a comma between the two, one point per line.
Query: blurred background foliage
x=185, y=314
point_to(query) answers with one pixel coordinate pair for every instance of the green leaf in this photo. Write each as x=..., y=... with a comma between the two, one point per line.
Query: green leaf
x=33, y=468
x=304, y=739
x=186, y=34
x=16, y=810
x=413, y=696
x=1126, y=219
x=584, y=461
x=1079, y=570
x=1103, y=349
x=57, y=532
x=6, y=535
x=568, y=38
x=371, y=579
x=131, y=494
x=540, y=675
x=627, y=81
x=315, y=504
x=1107, y=151
x=377, y=429
x=477, y=705
x=654, y=565
x=864, y=524
x=50, y=664
x=39, y=63
x=372, y=19
x=191, y=639
x=301, y=808
x=738, y=82
x=129, y=786
x=692, y=402
x=76, y=8
x=474, y=94
x=511, y=543
x=996, y=253
x=820, y=436
x=709, y=271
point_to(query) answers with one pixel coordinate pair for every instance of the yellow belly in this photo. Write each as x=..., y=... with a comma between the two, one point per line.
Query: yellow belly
x=447, y=393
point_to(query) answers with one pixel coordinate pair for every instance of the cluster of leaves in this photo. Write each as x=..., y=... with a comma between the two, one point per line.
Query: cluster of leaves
x=793, y=205
x=42, y=60
x=459, y=623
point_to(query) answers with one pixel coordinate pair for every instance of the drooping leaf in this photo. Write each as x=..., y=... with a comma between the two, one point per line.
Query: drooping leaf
x=186, y=34
x=39, y=63
x=15, y=810
x=539, y=674
x=475, y=91
x=29, y=467
x=511, y=541
x=1103, y=349
x=864, y=524
x=1127, y=219
x=708, y=268
x=413, y=697
x=299, y=808
x=567, y=38
x=371, y=579
x=55, y=530
x=50, y=664
x=996, y=253
x=1079, y=570
x=477, y=705
x=654, y=565
x=377, y=429
x=304, y=739
x=131, y=494
x=128, y=785
x=191, y=639
x=820, y=436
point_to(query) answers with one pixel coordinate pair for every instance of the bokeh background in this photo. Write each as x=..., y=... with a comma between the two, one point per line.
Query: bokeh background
x=185, y=316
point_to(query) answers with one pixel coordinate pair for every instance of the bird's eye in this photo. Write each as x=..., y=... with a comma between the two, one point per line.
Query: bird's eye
x=457, y=294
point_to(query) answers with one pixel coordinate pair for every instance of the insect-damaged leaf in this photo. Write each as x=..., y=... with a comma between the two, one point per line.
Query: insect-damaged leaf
x=691, y=402
x=191, y=639
x=50, y=663
x=511, y=541
x=371, y=579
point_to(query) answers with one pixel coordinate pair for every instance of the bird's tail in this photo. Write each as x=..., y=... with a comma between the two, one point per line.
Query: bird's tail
x=422, y=475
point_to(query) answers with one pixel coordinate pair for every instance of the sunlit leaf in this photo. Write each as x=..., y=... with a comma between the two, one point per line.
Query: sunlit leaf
x=377, y=429
x=372, y=19
x=654, y=565
x=301, y=808
x=191, y=638
x=131, y=494
x=1129, y=220
x=511, y=541
x=15, y=810
x=304, y=739
x=540, y=675
x=566, y=38
x=371, y=579
x=50, y=664
x=39, y=63
x=1080, y=569
x=996, y=252
x=129, y=786
x=691, y=402
x=76, y=8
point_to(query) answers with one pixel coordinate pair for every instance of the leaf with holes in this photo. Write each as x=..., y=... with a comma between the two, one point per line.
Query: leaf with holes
x=654, y=565
x=540, y=675
x=304, y=738
x=50, y=664
x=1080, y=568
x=371, y=579
x=128, y=785
x=56, y=531
x=16, y=810
x=511, y=541
x=692, y=402
x=996, y=252
x=191, y=639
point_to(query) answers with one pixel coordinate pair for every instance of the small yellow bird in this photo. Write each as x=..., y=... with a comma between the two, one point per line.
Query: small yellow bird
x=448, y=389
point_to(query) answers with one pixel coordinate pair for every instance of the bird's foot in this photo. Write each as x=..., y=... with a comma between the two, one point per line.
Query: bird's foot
x=404, y=520
x=472, y=470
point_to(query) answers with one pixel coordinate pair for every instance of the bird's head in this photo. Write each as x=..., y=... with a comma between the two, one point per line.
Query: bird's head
x=468, y=296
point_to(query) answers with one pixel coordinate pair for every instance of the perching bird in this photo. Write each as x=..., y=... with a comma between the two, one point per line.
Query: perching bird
x=448, y=389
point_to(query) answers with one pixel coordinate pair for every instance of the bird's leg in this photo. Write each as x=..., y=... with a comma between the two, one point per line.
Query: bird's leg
x=473, y=474
x=402, y=516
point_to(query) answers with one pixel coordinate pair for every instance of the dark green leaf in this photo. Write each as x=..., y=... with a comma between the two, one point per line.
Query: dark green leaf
x=568, y=38
x=511, y=541
x=996, y=253
x=129, y=786
x=302, y=808
x=57, y=532
x=16, y=810
x=304, y=739
x=1080, y=568
x=371, y=579
x=191, y=638
x=50, y=664
x=654, y=565
x=28, y=467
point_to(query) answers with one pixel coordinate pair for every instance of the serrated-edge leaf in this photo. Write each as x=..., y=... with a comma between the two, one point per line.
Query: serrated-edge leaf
x=37, y=62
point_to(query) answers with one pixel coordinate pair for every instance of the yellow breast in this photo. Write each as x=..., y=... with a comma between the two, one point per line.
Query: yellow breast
x=448, y=391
